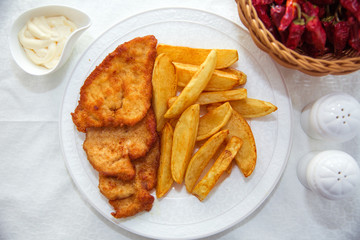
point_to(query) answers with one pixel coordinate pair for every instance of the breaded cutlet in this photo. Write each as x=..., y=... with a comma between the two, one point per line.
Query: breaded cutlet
x=111, y=149
x=118, y=92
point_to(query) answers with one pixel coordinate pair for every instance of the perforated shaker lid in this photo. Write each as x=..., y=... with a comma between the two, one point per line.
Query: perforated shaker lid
x=338, y=116
x=334, y=174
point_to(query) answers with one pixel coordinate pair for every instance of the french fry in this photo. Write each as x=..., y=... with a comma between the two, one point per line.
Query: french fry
x=196, y=56
x=221, y=164
x=164, y=178
x=213, y=121
x=220, y=80
x=252, y=108
x=183, y=141
x=202, y=157
x=216, y=97
x=193, y=89
x=164, y=87
x=246, y=157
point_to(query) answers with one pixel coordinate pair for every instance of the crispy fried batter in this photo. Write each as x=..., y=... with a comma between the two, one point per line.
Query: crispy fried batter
x=113, y=188
x=145, y=180
x=111, y=149
x=118, y=92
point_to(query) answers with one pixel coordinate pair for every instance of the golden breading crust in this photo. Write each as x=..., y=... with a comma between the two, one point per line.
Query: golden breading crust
x=111, y=149
x=118, y=92
x=145, y=180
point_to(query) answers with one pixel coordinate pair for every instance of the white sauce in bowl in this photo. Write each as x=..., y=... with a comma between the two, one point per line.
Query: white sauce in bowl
x=43, y=39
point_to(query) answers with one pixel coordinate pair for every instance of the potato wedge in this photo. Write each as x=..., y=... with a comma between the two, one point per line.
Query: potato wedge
x=216, y=97
x=202, y=157
x=219, y=81
x=246, y=157
x=173, y=122
x=221, y=164
x=213, y=121
x=164, y=177
x=164, y=87
x=252, y=108
x=196, y=56
x=183, y=141
x=193, y=89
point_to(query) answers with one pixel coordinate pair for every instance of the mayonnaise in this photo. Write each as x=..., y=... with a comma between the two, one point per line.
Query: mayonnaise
x=43, y=39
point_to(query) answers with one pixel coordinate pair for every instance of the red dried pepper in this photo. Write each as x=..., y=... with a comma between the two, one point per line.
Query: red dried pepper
x=341, y=31
x=296, y=30
x=262, y=12
x=354, y=35
x=279, y=2
x=276, y=13
x=290, y=14
x=327, y=24
x=310, y=9
x=315, y=34
x=352, y=6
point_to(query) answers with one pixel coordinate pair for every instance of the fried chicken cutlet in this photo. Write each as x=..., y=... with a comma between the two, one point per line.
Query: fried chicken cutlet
x=118, y=92
x=111, y=149
x=131, y=197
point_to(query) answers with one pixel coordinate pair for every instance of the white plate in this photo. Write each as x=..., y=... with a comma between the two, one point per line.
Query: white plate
x=180, y=215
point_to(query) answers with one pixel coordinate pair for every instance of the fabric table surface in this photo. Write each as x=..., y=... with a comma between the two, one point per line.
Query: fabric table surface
x=38, y=199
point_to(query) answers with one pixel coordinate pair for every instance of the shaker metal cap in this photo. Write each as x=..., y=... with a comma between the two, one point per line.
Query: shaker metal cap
x=338, y=116
x=333, y=174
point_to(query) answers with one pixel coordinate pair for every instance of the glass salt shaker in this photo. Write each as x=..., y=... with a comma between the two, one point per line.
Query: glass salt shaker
x=334, y=117
x=332, y=174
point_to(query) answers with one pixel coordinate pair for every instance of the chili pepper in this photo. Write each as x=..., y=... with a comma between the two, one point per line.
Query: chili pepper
x=296, y=30
x=322, y=2
x=341, y=32
x=310, y=9
x=352, y=6
x=276, y=13
x=354, y=35
x=261, y=2
x=279, y=2
x=262, y=12
x=327, y=24
x=290, y=14
x=315, y=33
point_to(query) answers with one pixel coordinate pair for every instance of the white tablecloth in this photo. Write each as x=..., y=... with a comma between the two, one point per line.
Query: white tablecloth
x=38, y=199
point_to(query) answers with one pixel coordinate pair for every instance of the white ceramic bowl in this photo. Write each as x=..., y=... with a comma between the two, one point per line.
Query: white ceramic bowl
x=79, y=18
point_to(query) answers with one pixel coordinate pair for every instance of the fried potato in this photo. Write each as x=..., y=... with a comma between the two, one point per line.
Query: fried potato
x=220, y=80
x=173, y=122
x=183, y=141
x=252, y=108
x=202, y=157
x=221, y=164
x=164, y=178
x=196, y=56
x=193, y=89
x=216, y=97
x=246, y=157
x=164, y=87
x=213, y=121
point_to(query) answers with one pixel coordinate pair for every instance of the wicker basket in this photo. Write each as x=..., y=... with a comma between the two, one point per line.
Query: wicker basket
x=348, y=62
